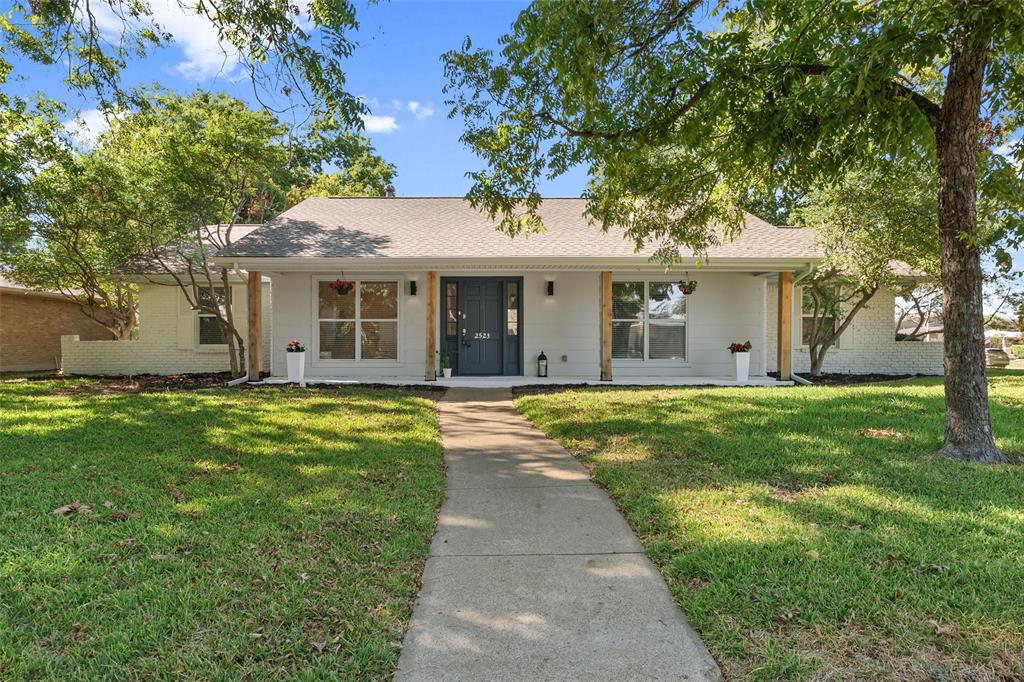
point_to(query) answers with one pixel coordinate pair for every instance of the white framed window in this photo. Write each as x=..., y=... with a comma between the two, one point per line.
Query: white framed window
x=807, y=320
x=360, y=325
x=209, y=331
x=648, y=321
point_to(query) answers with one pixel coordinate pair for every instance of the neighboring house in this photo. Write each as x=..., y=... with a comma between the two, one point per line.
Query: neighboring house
x=172, y=337
x=432, y=275
x=32, y=323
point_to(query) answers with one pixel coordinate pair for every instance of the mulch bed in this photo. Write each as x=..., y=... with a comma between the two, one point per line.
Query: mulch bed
x=851, y=379
x=141, y=383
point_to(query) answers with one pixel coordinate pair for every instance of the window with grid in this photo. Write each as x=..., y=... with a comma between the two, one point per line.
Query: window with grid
x=648, y=321
x=210, y=331
x=359, y=325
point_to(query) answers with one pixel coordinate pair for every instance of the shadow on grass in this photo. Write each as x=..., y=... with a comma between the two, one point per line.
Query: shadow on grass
x=232, y=533
x=812, y=531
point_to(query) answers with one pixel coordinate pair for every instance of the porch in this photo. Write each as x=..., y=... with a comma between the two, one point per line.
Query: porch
x=399, y=326
x=521, y=381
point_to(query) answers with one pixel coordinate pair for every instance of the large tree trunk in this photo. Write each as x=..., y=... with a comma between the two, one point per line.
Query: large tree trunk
x=968, y=428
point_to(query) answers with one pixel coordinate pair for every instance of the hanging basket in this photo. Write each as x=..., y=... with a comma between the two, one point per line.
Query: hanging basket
x=687, y=287
x=343, y=287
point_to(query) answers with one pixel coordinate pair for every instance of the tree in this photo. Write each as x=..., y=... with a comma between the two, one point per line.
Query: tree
x=875, y=226
x=293, y=55
x=680, y=113
x=68, y=233
x=365, y=174
x=197, y=166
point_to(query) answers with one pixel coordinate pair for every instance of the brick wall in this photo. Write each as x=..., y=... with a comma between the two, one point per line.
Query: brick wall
x=167, y=342
x=868, y=346
x=31, y=327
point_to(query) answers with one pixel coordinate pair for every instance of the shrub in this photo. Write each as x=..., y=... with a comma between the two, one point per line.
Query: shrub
x=1017, y=351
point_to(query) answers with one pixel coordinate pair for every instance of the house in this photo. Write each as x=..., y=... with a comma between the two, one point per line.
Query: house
x=32, y=323
x=432, y=276
x=172, y=336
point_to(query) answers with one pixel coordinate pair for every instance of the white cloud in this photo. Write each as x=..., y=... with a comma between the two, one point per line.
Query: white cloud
x=396, y=104
x=379, y=124
x=205, y=56
x=420, y=111
x=86, y=127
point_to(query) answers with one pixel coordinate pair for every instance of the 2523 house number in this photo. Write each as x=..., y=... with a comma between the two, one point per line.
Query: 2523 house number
x=482, y=335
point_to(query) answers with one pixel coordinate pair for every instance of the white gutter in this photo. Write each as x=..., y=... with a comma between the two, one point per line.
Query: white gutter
x=799, y=379
x=803, y=274
x=240, y=380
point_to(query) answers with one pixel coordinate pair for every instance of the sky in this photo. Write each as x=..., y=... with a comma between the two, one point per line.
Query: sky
x=396, y=67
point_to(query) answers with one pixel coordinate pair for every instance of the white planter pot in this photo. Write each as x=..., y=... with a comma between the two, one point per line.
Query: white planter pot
x=447, y=372
x=296, y=367
x=742, y=366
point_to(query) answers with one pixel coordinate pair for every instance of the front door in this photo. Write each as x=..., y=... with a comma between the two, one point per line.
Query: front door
x=481, y=329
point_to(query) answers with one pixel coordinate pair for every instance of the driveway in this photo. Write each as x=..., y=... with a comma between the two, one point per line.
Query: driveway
x=533, y=574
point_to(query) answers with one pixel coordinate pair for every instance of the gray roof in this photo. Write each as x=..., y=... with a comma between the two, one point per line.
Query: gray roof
x=451, y=228
x=174, y=257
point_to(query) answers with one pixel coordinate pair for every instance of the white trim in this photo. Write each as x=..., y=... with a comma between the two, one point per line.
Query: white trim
x=638, y=264
x=315, y=359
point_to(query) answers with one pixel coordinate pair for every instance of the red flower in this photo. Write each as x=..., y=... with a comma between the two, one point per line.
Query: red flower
x=342, y=286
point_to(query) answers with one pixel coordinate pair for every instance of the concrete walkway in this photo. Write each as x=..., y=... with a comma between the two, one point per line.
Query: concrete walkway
x=533, y=574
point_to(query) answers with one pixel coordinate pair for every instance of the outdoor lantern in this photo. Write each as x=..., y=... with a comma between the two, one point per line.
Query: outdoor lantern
x=412, y=288
x=542, y=363
x=551, y=287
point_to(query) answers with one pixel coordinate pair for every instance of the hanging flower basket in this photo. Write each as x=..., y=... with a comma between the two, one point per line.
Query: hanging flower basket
x=687, y=287
x=342, y=286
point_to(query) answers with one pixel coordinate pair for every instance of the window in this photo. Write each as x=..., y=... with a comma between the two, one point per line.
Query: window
x=359, y=325
x=807, y=320
x=648, y=321
x=512, y=309
x=210, y=331
x=451, y=309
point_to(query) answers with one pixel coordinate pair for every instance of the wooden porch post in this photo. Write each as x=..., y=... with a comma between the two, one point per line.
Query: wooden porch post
x=255, y=302
x=785, y=344
x=430, y=324
x=606, y=326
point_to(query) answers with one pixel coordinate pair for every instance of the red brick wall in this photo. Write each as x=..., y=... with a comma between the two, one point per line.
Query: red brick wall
x=31, y=326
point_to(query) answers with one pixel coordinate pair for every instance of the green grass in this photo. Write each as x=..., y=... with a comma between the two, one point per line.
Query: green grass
x=809, y=532
x=261, y=534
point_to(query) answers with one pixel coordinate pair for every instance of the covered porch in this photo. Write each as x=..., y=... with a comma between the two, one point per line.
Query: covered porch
x=574, y=317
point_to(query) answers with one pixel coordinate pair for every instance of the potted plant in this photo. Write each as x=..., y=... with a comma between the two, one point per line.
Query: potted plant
x=342, y=286
x=687, y=287
x=446, y=365
x=296, y=353
x=741, y=352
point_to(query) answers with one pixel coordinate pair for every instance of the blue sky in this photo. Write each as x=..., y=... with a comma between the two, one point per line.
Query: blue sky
x=396, y=68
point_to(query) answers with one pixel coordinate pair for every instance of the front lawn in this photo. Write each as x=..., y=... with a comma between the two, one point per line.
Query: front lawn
x=809, y=532
x=225, y=534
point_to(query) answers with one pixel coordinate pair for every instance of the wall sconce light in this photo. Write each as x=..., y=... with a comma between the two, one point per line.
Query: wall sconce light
x=551, y=287
x=412, y=288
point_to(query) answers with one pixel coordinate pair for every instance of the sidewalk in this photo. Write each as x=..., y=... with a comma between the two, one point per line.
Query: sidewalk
x=533, y=574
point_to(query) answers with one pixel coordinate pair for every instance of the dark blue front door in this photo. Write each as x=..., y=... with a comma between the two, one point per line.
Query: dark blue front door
x=481, y=329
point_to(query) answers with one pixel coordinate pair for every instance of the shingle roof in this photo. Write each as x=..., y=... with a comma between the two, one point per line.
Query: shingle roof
x=451, y=228
x=174, y=257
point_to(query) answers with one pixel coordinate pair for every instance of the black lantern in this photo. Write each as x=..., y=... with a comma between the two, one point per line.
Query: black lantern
x=542, y=365
x=412, y=288
x=551, y=287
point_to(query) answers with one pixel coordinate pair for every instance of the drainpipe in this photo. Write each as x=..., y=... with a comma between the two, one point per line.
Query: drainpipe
x=803, y=274
x=240, y=380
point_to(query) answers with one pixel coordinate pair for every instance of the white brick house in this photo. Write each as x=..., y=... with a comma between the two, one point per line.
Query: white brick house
x=432, y=276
